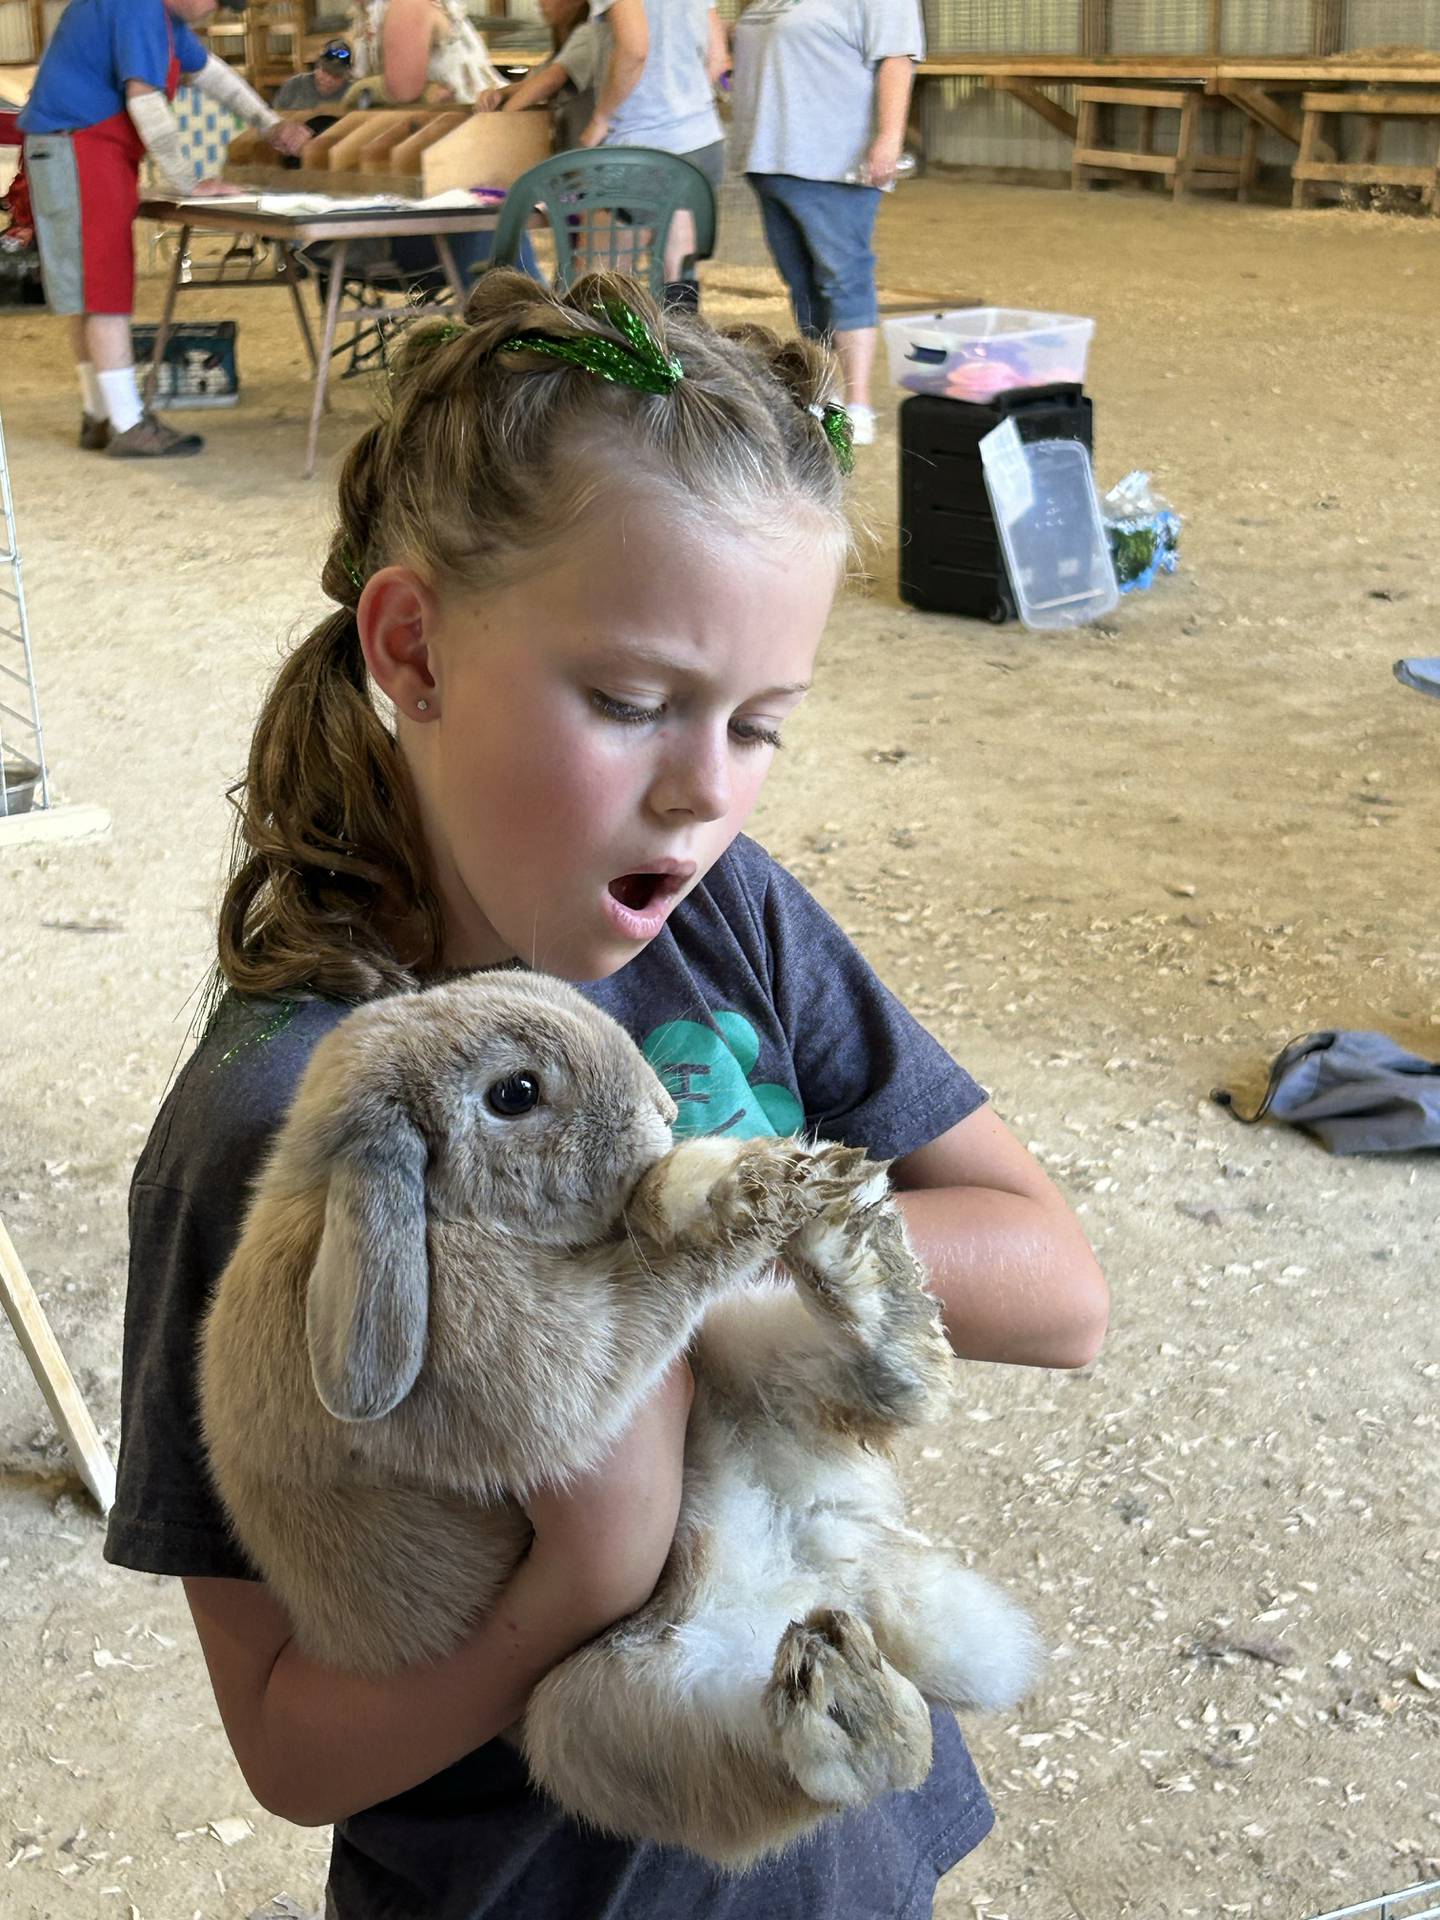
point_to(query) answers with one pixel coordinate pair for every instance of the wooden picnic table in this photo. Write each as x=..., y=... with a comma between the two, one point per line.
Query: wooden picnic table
x=290, y=232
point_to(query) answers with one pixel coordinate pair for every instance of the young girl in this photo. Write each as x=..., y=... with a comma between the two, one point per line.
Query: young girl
x=567, y=79
x=587, y=558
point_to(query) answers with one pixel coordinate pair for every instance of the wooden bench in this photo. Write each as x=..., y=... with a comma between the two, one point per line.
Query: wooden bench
x=1187, y=169
x=1314, y=168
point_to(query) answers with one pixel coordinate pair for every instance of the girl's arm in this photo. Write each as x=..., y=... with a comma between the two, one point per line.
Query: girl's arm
x=894, y=77
x=405, y=39
x=629, y=50
x=717, y=49
x=1005, y=1255
x=538, y=86
x=316, y=1744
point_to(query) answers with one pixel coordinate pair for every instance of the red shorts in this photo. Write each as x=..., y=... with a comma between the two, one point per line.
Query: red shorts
x=85, y=187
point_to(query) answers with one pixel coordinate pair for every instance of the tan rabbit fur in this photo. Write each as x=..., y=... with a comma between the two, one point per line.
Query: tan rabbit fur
x=435, y=1306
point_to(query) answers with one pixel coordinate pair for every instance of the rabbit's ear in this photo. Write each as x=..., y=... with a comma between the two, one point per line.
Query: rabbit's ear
x=368, y=1307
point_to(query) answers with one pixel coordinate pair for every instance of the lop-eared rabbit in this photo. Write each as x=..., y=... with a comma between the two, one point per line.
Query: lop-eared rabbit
x=470, y=1255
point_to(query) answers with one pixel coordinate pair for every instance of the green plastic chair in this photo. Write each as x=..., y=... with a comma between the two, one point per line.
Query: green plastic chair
x=609, y=209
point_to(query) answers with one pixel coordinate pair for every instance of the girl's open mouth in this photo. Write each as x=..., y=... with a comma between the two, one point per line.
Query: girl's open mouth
x=638, y=890
x=639, y=903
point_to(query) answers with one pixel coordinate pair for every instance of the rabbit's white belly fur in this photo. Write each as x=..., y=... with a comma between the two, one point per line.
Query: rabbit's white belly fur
x=792, y=1519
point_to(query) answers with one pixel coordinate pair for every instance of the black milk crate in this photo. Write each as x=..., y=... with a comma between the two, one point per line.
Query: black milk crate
x=950, y=557
x=20, y=282
x=199, y=368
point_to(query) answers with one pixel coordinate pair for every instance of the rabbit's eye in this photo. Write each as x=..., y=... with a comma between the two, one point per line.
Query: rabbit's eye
x=514, y=1096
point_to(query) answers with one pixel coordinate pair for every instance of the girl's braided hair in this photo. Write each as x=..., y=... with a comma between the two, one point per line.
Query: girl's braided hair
x=484, y=454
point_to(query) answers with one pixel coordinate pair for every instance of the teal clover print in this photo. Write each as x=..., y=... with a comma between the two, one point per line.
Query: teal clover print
x=706, y=1071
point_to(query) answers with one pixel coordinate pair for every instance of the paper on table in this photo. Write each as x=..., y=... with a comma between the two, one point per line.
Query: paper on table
x=455, y=200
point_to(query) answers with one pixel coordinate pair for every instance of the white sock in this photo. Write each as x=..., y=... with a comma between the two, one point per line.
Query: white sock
x=121, y=393
x=862, y=424
x=91, y=397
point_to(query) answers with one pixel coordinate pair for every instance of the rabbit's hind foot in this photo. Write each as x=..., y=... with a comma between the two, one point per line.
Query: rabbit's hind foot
x=848, y=1725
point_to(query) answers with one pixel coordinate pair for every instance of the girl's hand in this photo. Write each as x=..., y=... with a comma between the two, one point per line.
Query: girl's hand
x=491, y=101
x=609, y=1531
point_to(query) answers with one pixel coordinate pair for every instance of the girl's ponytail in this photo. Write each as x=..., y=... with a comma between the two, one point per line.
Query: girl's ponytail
x=328, y=863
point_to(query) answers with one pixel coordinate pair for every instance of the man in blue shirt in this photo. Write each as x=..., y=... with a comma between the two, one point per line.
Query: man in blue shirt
x=100, y=103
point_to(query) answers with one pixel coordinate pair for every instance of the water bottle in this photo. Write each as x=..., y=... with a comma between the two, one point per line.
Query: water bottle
x=904, y=170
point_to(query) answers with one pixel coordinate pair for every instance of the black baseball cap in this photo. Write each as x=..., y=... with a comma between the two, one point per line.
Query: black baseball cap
x=335, y=56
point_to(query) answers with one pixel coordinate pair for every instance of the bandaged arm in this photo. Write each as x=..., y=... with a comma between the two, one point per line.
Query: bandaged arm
x=232, y=90
x=157, y=127
x=155, y=121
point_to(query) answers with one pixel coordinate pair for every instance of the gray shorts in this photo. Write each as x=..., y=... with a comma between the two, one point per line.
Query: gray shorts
x=711, y=162
x=84, y=190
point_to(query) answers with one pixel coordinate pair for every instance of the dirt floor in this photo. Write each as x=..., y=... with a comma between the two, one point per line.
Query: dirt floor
x=1111, y=870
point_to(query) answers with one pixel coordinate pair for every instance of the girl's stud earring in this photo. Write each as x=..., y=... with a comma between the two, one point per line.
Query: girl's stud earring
x=422, y=706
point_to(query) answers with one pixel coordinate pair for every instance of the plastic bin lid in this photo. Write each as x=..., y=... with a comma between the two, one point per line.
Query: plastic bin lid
x=1048, y=515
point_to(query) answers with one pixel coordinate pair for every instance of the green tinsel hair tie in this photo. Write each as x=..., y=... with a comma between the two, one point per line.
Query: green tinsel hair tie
x=347, y=561
x=839, y=431
x=642, y=363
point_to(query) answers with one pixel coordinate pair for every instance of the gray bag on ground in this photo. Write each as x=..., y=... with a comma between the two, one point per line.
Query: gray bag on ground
x=1357, y=1092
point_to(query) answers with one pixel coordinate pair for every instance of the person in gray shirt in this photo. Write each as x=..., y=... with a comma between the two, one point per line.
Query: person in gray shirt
x=667, y=101
x=821, y=91
x=327, y=80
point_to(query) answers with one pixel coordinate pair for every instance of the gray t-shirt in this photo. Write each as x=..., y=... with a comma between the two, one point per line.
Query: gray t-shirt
x=761, y=1017
x=673, y=107
x=803, y=85
x=575, y=106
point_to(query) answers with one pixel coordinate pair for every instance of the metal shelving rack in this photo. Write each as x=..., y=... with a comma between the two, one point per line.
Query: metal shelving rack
x=1411, y=1903
x=24, y=778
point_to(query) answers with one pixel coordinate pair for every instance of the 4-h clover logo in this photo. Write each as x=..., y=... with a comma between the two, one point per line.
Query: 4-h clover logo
x=706, y=1073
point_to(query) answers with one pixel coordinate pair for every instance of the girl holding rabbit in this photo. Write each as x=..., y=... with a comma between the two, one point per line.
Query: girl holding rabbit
x=587, y=557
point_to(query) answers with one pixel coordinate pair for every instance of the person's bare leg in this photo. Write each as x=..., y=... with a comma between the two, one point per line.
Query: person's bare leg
x=679, y=243
x=856, y=349
x=107, y=342
x=134, y=434
x=94, y=421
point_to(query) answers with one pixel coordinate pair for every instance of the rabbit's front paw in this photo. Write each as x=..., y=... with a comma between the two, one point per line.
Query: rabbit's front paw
x=852, y=1263
x=749, y=1194
x=776, y=1186
x=848, y=1725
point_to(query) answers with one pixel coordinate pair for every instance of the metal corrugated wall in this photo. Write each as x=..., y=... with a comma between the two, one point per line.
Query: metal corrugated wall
x=967, y=125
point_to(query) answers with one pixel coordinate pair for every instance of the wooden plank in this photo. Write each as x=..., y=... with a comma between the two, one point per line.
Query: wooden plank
x=1137, y=96
x=1348, y=70
x=486, y=150
x=1215, y=35
x=374, y=156
x=1049, y=110
x=1165, y=163
x=1349, y=173
x=346, y=143
x=1388, y=103
x=406, y=157
x=1095, y=27
x=1327, y=26
x=54, y=1377
x=1255, y=102
x=1067, y=68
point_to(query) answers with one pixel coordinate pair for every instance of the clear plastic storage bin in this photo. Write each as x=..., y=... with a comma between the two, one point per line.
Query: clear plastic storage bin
x=977, y=352
x=1048, y=515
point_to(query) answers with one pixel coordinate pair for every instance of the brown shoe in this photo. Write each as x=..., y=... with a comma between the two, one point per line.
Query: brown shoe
x=94, y=433
x=151, y=439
